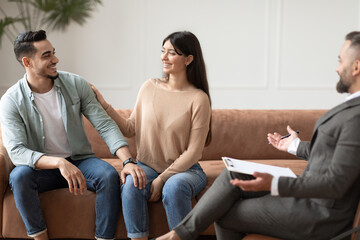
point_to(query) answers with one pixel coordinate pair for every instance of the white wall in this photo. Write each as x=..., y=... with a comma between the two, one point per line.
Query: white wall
x=260, y=54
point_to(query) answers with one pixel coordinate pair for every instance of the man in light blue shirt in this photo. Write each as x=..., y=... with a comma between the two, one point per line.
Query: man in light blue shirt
x=42, y=130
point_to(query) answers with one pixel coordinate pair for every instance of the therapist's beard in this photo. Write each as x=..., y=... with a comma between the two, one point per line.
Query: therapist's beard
x=341, y=87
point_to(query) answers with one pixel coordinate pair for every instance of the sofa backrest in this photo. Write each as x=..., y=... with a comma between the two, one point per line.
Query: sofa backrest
x=99, y=146
x=242, y=134
x=236, y=133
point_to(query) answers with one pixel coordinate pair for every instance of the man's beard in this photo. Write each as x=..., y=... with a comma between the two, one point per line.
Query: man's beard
x=341, y=87
x=345, y=82
x=53, y=77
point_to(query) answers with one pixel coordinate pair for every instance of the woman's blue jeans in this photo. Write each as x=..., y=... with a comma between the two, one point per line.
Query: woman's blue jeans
x=100, y=177
x=177, y=193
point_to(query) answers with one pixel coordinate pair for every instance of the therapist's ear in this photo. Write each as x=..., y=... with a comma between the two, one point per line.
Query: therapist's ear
x=356, y=68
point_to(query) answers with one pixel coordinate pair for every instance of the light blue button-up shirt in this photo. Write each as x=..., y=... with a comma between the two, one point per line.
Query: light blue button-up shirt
x=23, y=130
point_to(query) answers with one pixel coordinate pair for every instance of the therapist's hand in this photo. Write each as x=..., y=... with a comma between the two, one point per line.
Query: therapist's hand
x=282, y=144
x=262, y=182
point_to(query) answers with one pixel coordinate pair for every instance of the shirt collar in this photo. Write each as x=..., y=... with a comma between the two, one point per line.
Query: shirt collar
x=352, y=96
x=27, y=88
x=57, y=83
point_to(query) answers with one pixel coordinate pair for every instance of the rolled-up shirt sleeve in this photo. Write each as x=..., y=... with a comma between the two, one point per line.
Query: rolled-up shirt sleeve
x=13, y=131
x=102, y=122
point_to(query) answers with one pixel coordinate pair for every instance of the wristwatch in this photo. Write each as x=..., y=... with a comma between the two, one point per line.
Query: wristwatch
x=130, y=160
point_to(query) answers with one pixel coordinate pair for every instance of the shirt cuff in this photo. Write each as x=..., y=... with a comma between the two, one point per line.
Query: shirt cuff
x=274, y=186
x=292, y=149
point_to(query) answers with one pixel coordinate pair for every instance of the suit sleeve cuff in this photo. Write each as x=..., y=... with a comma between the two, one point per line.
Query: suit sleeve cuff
x=294, y=146
x=274, y=186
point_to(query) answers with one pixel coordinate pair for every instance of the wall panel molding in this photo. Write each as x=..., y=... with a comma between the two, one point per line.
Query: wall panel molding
x=264, y=84
x=280, y=67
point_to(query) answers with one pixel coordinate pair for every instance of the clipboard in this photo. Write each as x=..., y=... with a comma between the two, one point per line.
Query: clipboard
x=246, y=167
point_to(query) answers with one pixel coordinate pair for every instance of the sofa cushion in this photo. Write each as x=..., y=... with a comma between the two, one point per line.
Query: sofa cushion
x=68, y=216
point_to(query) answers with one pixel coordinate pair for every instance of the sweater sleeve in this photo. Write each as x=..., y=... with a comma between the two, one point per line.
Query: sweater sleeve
x=199, y=131
x=127, y=126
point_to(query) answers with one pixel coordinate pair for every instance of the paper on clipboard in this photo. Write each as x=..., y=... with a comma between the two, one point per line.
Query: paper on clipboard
x=247, y=167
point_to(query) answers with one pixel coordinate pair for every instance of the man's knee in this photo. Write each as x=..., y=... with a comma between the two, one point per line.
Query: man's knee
x=21, y=176
x=226, y=176
x=224, y=232
x=110, y=177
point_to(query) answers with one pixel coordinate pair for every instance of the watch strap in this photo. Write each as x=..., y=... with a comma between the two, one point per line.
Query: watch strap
x=129, y=160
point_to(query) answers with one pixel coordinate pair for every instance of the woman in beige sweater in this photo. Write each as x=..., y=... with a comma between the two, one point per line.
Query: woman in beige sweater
x=172, y=124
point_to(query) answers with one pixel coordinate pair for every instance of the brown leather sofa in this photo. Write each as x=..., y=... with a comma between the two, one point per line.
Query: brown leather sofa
x=236, y=133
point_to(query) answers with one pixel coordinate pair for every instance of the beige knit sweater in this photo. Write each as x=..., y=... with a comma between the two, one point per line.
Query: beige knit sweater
x=170, y=127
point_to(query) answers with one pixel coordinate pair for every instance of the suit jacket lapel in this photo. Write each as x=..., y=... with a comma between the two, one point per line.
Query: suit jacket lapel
x=332, y=112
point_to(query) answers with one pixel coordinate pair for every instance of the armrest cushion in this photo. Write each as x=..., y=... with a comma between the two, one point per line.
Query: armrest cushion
x=5, y=168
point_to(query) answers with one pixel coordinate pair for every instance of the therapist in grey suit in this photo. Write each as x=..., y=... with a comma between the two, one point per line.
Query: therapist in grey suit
x=319, y=204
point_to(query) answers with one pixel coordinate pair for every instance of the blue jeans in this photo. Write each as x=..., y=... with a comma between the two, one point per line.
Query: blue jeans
x=177, y=193
x=100, y=177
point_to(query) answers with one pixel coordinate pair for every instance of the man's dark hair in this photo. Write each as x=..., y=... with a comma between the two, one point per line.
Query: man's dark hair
x=24, y=43
x=354, y=37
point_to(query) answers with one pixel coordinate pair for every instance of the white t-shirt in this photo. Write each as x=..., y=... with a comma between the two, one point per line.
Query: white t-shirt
x=56, y=143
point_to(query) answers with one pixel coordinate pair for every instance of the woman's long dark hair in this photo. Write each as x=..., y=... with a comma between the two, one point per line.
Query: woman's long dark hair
x=186, y=43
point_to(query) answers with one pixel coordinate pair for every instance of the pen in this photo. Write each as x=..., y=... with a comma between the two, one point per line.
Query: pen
x=288, y=135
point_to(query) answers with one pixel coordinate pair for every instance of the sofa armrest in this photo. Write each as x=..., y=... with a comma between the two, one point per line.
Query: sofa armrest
x=5, y=168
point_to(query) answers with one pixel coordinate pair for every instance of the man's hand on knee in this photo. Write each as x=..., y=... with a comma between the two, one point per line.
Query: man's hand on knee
x=73, y=176
x=69, y=171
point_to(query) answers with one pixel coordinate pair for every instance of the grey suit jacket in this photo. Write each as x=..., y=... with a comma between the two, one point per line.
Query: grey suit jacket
x=329, y=189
